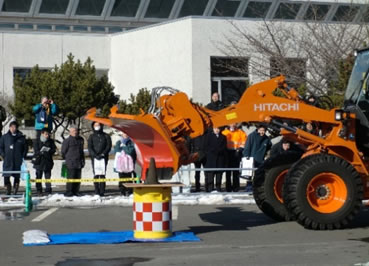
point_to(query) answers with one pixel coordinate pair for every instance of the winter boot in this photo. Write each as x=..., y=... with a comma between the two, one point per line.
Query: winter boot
x=97, y=188
x=8, y=188
x=197, y=185
x=16, y=187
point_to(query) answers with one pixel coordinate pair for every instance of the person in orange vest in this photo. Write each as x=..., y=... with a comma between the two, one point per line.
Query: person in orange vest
x=236, y=139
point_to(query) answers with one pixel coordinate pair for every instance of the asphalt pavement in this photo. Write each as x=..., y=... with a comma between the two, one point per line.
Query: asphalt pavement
x=230, y=235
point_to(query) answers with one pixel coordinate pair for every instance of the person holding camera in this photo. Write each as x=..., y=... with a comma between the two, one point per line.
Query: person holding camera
x=44, y=112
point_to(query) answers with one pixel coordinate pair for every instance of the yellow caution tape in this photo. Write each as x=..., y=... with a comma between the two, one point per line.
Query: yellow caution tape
x=98, y=180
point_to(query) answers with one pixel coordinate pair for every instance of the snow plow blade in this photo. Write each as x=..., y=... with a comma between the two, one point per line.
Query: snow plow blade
x=150, y=138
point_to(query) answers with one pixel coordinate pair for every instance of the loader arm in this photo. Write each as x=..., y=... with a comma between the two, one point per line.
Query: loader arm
x=161, y=132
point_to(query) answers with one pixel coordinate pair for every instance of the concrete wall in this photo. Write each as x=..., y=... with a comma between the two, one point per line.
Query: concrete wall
x=175, y=54
x=153, y=56
x=25, y=50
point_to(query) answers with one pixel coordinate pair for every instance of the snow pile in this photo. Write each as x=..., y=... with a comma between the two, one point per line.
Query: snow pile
x=59, y=200
x=215, y=198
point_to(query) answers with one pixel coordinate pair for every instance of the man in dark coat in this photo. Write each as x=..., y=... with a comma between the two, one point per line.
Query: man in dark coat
x=44, y=149
x=13, y=149
x=285, y=148
x=72, y=152
x=99, y=146
x=197, y=146
x=216, y=148
x=215, y=103
x=257, y=145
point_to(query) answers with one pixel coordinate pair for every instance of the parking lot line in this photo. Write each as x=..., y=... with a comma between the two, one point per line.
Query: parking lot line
x=44, y=215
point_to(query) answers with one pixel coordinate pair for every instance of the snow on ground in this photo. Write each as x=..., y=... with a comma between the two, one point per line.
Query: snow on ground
x=59, y=200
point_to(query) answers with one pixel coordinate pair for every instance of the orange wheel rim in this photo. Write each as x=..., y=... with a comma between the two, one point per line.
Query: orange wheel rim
x=326, y=193
x=278, y=184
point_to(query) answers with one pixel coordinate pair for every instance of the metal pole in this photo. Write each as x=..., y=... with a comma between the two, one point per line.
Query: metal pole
x=216, y=169
x=28, y=197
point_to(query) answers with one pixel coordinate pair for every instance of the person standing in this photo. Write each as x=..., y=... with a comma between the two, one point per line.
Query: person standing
x=44, y=113
x=99, y=146
x=2, y=119
x=197, y=146
x=126, y=145
x=215, y=103
x=257, y=145
x=44, y=149
x=72, y=152
x=13, y=149
x=215, y=147
x=236, y=139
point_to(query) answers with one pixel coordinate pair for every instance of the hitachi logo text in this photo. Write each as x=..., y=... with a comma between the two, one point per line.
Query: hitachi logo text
x=283, y=107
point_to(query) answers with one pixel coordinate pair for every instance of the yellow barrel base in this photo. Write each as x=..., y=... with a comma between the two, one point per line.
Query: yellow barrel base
x=152, y=235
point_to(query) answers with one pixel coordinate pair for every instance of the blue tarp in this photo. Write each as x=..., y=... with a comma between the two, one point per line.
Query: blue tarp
x=111, y=238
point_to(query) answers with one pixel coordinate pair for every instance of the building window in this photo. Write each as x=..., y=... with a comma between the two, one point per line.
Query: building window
x=159, y=8
x=90, y=7
x=25, y=26
x=345, y=13
x=193, y=8
x=125, y=8
x=229, y=77
x=62, y=28
x=101, y=72
x=44, y=27
x=6, y=26
x=22, y=72
x=115, y=29
x=80, y=28
x=225, y=8
x=287, y=11
x=54, y=6
x=365, y=17
x=21, y=6
x=257, y=9
x=294, y=69
x=316, y=12
x=100, y=29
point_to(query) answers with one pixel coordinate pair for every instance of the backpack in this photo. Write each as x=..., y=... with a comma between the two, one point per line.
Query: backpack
x=124, y=163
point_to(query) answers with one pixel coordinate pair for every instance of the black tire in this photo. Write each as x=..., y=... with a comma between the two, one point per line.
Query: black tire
x=295, y=192
x=264, y=183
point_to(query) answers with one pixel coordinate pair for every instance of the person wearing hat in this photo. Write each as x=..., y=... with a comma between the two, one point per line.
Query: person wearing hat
x=13, y=149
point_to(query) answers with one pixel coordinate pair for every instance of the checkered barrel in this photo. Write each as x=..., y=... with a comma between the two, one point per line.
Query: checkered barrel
x=152, y=212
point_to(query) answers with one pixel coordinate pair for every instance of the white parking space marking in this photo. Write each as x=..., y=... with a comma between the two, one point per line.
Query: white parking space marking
x=44, y=215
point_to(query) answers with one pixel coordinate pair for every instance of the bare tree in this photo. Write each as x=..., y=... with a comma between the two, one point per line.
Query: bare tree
x=307, y=52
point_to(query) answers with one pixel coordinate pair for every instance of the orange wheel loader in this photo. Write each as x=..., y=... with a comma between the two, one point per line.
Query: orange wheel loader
x=323, y=189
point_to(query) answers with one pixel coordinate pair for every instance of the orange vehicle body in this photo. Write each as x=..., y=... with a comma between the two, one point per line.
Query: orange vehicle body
x=161, y=134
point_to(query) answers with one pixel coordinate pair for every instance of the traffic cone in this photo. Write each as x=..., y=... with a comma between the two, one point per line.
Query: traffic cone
x=152, y=177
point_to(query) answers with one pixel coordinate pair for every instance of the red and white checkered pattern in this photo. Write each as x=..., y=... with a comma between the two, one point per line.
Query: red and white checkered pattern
x=152, y=216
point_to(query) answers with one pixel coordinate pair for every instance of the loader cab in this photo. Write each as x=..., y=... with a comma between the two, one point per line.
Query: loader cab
x=357, y=98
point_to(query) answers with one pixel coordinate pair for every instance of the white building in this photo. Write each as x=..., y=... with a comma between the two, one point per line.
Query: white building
x=146, y=43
